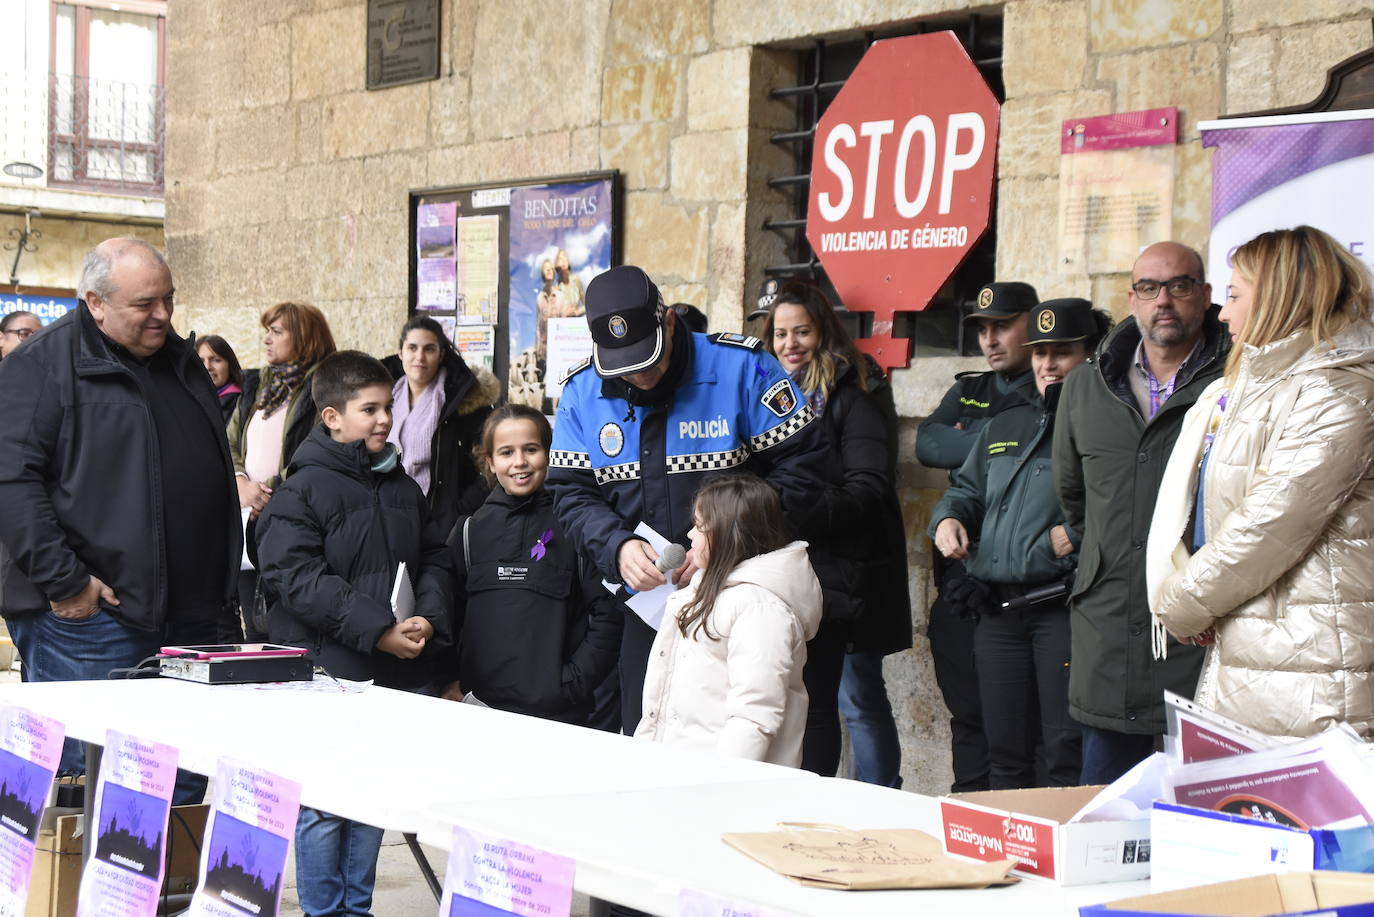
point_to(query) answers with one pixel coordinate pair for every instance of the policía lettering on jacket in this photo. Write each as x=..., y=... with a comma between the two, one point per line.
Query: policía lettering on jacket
x=512, y=574
x=703, y=429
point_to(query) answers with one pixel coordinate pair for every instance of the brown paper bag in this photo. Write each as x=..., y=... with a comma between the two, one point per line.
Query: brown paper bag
x=830, y=856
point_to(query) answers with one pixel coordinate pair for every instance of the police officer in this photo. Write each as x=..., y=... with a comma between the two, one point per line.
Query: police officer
x=662, y=410
x=943, y=440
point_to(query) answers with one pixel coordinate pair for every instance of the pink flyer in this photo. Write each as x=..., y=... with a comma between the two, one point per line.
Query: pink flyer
x=30, y=747
x=133, y=798
x=488, y=876
x=250, y=829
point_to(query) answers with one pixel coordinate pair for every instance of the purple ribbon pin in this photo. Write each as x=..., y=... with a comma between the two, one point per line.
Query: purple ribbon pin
x=538, y=551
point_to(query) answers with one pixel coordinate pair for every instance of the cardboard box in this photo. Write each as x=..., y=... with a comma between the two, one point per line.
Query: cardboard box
x=185, y=834
x=1031, y=826
x=56, y=872
x=1195, y=846
x=1330, y=894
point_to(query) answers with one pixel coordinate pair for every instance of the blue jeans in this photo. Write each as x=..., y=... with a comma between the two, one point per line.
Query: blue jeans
x=868, y=717
x=336, y=864
x=1108, y=754
x=56, y=649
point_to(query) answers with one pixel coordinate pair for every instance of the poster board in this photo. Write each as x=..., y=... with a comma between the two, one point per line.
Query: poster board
x=500, y=264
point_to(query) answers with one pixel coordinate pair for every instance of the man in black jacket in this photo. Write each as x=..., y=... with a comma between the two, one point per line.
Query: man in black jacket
x=115, y=475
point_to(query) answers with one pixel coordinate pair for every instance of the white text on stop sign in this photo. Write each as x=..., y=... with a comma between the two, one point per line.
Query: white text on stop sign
x=908, y=207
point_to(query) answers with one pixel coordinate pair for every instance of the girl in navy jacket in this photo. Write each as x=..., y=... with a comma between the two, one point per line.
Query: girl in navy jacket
x=538, y=631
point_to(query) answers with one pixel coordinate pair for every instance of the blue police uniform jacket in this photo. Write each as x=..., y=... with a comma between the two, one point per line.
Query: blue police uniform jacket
x=611, y=467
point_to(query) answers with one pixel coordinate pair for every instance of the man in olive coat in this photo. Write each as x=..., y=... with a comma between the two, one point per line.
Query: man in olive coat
x=1118, y=418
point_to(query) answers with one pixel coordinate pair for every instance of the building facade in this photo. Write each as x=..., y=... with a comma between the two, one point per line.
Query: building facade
x=81, y=153
x=287, y=179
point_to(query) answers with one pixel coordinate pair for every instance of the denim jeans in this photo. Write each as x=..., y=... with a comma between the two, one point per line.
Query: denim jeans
x=868, y=717
x=56, y=649
x=336, y=864
x=1108, y=754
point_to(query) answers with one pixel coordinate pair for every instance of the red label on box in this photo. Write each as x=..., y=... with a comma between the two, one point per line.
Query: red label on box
x=986, y=835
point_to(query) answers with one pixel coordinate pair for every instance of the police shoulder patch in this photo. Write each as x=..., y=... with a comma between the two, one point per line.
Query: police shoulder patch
x=737, y=340
x=574, y=370
x=780, y=399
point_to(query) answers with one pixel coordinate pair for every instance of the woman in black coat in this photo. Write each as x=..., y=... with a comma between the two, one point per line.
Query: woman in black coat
x=440, y=405
x=856, y=532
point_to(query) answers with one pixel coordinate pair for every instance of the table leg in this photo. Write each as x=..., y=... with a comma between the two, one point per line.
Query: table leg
x=425, y=869
x=93, y=753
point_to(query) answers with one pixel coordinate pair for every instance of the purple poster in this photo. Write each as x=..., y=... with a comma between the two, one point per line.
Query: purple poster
x=560, y=238
x=133, y=798
x=30, y=746
x=243, y=862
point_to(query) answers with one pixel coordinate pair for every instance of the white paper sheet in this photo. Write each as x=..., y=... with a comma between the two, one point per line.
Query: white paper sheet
x=648, y=605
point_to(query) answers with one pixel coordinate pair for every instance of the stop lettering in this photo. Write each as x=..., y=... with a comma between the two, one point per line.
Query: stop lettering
x=902, y=174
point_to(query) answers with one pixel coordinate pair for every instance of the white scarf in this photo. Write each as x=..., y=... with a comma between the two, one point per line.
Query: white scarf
x=413, y=426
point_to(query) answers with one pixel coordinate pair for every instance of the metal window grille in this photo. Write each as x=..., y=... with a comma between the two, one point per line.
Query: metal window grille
x=822, y=70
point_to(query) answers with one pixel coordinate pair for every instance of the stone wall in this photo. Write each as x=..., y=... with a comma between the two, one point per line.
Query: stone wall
x=287, y=180
x=62, y=245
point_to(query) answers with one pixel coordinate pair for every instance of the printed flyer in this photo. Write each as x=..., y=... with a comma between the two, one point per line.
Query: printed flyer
x=247, y=837
x=30, y=747
x=134, y=797
x=436, y=266
x=490, y=876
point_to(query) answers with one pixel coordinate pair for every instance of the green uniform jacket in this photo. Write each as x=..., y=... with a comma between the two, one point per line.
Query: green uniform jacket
x=1108, y=463
x=1004, y=495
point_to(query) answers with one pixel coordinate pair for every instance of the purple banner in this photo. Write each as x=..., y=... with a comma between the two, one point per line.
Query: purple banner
x=1252, y=160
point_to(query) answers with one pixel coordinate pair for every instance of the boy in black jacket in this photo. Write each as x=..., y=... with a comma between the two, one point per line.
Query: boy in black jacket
x=329, y=543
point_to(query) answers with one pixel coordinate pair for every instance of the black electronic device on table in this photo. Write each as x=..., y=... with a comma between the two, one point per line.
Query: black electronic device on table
x=235, y=663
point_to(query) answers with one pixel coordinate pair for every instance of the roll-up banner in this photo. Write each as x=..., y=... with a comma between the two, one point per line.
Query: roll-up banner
x=1286, y=170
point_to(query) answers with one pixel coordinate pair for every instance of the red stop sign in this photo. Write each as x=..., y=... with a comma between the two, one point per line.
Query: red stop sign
x=902, y=177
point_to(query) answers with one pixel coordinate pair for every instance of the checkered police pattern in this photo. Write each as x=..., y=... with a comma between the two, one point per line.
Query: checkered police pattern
x=771, y=438
x=707, y=461
x=562, y=458
x=626, y=472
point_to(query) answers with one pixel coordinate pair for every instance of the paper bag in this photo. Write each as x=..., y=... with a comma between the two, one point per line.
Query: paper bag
x=829, y=856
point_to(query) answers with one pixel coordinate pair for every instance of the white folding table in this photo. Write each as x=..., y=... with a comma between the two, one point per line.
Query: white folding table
x=642, y=820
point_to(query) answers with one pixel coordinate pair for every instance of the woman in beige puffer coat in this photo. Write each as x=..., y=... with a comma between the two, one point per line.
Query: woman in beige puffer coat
x=1281, y=574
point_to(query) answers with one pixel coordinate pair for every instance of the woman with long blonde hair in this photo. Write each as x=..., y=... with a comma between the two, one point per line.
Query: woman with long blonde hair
x=1261, y=538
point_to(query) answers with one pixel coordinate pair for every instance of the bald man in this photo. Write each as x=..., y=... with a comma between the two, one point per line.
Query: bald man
x=1118, y=418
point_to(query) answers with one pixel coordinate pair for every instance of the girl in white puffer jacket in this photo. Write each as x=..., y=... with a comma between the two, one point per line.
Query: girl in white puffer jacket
x=725, y=671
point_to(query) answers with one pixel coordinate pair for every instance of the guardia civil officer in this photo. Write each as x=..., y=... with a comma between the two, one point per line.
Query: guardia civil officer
x=943, y=440
x=1001, y=516
x=662, y=410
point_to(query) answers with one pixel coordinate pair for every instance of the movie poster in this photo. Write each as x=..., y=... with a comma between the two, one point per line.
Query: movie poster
x=246, y=841
x=133, y=799
x=560, y=238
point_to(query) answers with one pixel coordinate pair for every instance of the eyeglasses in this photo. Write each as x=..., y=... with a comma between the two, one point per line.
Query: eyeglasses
x=21, y=333
x=1180, y=287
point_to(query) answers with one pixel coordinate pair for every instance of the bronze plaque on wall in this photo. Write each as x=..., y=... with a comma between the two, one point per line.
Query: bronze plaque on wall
x=402, y=42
